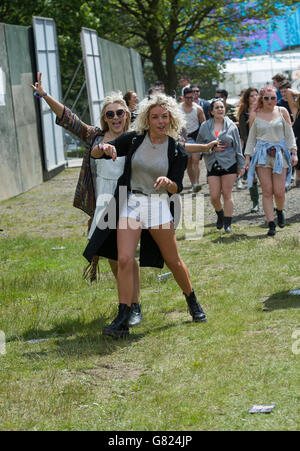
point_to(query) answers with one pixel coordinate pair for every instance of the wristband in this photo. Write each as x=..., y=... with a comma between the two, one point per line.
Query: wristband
x=100, y=147
x=38, y=96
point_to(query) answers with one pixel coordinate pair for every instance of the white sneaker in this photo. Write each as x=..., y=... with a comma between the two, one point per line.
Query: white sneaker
x=239, y=184
x=197, y=187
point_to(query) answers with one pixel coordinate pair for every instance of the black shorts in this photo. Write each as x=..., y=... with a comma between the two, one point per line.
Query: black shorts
x=231, y=170
x=298, y=154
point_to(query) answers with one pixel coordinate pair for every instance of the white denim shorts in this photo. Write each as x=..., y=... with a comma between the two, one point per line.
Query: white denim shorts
x=150, y=210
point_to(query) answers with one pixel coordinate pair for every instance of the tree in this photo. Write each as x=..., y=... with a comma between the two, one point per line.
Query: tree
x=160, y=29
x=69, y=17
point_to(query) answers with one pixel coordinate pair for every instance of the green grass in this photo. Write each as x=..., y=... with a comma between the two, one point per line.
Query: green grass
x=171, y=374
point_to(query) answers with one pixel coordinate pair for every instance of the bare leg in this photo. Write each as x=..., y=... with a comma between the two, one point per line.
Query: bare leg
x=279, y=189
x=266, y=182
x=195, y=169
x=227, y=182
x=215, y=190
x=136, y=275
x=129, y=232
x=165, y=238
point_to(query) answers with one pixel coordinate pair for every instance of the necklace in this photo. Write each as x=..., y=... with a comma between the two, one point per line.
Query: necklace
x=154, y=145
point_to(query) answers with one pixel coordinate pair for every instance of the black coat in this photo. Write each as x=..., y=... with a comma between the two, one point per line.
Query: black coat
x=104, y=241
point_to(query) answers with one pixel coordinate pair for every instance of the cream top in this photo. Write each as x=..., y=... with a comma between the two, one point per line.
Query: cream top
x=270, y=131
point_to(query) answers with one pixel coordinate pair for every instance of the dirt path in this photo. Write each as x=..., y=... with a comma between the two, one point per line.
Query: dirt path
x=243, y=204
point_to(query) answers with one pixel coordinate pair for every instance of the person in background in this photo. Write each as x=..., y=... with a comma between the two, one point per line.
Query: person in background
x=277, y=79
x=99, y=178
x=230, y=109
x=293, y=98
x=246, y=107
x=272, y=146
x=205, y=105
x=184, y=82
x=194, y=116
x=283, y=88
x=222, y=168
x=160, y=84
x=154, y=90
x=131, y=99
x=155, y=164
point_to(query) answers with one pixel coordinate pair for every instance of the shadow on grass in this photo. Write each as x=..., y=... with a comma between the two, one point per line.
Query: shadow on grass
x=77, y=338
x=282, y=300
x=233, y=237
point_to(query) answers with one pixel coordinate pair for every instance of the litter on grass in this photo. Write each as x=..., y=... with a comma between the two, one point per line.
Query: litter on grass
x=40, y=340
x=164, y=276
x=58, y=248
x=259, y=408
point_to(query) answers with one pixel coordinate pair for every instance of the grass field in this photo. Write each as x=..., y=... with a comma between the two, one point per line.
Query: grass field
x=59, y=373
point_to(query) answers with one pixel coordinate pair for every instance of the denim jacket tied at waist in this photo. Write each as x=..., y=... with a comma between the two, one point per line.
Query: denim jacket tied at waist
x=260, y=158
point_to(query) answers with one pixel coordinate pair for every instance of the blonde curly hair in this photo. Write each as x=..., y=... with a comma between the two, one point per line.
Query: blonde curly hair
x=114, y=97
x=177, y=119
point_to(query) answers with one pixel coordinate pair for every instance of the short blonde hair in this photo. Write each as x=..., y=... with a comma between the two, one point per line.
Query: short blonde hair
x=177, y=119
x=114, y=97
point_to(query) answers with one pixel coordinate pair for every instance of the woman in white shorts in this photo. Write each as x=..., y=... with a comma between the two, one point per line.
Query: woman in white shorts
x=155, y=165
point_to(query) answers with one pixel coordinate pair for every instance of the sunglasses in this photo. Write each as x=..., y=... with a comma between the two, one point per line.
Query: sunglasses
x=189, y=97
x=196, y=90
x=217, y=99
x=269, y=98
x=111, y=114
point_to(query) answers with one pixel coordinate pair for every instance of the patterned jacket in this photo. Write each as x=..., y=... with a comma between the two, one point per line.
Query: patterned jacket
x=84, y=198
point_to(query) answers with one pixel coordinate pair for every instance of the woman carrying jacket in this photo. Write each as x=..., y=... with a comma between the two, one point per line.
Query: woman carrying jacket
x=97, y=177
x=224, y=167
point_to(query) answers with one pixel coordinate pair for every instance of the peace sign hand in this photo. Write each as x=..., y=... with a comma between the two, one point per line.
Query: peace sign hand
x=38, y=87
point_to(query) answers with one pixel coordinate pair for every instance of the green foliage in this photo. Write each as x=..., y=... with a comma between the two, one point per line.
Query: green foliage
x=164, y=27
x=157, y=29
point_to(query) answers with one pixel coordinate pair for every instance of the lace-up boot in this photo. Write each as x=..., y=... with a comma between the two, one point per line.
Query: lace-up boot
x=195, y=308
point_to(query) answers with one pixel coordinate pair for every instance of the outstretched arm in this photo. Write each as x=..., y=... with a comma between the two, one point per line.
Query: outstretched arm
x=55, y=105
x=214, y=146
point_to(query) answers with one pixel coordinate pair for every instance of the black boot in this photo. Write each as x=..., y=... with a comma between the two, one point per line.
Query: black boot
x=195, y=308
x=272, y=228
x=227, y=224
x=135, y=316
x=119, y=327
x=220, y=220
x=254, y=197
x=280, y=218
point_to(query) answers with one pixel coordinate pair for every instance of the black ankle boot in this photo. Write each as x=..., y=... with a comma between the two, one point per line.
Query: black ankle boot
x=272, y=228
x=195, y=308
x=255, y=198
x=135, y=316
x=227, y=224
x=280, y=218
x=220, y=220
x=119, y=327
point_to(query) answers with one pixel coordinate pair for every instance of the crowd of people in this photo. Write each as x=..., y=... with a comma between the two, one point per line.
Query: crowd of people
x=141, y=149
